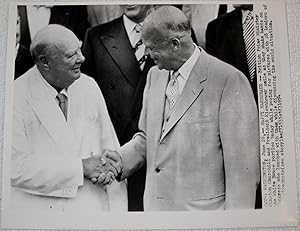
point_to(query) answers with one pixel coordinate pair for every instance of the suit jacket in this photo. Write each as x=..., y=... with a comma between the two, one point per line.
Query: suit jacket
x=23, y=61
x=208, y=155
x=224, y=40
x=47, y=151
x=110, y=59
x=73, y=17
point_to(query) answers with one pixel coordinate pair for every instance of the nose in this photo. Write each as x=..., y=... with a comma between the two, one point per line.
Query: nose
x=80, y=57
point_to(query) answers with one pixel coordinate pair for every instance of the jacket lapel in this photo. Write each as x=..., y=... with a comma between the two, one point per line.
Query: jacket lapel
x=191, y=91
x=159, y=102
x=48, y=112
x=117, y=43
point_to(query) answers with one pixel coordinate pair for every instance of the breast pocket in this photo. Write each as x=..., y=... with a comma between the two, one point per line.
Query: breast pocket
x=196, y=115
x=202, y=119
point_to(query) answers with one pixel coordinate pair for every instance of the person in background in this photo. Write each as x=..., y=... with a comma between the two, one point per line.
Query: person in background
x=199, y=15
x=231, y=39
x=35, y=17
x=115, y=59
x=100, y=14
x=198, y=129
x=58, y=137
x=23, y=60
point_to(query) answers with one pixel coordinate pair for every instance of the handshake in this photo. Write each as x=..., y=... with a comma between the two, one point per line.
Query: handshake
x=103, y=169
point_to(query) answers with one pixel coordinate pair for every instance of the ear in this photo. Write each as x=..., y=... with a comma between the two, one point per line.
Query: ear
x=175, y=43
x=44, y=62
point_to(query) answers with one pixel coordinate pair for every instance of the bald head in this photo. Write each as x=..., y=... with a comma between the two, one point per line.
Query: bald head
x=166, y=22
x=57, y=53
x=166, y=34
x=50, y=40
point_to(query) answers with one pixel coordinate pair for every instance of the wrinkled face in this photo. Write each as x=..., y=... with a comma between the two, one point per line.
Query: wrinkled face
x=136, y=13
x=162, y=53
x=65, y=62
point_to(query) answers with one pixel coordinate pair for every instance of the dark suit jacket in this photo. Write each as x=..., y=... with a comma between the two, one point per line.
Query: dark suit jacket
x=111, y=61
x=224, y=40
x=23, y=61
x=72, y=17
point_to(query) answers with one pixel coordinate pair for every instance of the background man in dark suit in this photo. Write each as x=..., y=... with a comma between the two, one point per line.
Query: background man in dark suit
x=23, y=59
x=73, y=17
x=115, y=58
x=225, y=39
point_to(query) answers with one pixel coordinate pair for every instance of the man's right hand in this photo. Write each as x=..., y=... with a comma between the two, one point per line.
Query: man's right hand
x=114, y=160
x=98, y=170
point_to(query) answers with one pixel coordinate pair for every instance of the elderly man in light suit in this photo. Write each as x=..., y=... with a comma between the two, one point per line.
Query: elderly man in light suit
x=60, y=126
x=198, y=126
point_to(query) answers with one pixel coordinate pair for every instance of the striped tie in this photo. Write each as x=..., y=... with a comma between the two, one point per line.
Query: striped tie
x=138, y=48
x=248, y=33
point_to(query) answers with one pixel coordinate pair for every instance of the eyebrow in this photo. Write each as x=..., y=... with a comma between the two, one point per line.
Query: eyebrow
x=72, y=52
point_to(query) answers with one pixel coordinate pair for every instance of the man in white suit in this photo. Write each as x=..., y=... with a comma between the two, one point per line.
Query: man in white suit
x=60, y=126
x=198, y=126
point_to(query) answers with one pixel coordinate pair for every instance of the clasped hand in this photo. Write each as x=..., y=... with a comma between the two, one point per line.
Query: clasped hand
x=103, y=169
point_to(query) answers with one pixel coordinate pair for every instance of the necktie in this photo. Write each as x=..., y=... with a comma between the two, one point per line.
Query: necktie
x=248, y=33
x=138, y=49
x=63, y=103
x=172, y=91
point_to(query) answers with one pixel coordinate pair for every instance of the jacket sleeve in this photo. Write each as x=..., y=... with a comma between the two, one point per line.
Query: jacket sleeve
x=47, y=175
x=239, y=135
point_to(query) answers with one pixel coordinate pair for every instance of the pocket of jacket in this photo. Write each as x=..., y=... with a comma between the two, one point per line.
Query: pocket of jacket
x=201, y=119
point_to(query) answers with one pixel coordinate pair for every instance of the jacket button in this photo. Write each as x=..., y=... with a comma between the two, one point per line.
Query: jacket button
x=157, y=170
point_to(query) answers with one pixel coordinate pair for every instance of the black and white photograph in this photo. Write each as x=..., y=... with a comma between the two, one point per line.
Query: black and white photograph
x=149, y=115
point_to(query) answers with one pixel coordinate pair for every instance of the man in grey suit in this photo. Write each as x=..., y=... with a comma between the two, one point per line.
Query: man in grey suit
x=198, y=127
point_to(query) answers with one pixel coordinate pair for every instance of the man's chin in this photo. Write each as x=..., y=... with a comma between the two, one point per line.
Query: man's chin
x=76, y=73
x=160, y=67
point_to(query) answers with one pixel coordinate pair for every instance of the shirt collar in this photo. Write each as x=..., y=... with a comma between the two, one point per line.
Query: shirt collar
x=186, y=69
x=129, y=24
x=51, y=90
x=244, y=15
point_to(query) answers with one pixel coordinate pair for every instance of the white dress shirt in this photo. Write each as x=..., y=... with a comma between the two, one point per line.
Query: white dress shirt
x=186, y=68
x=244, y=15
x=53, y=92
x=134, y=37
